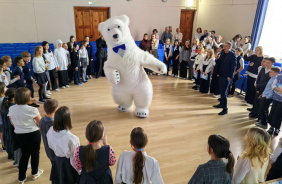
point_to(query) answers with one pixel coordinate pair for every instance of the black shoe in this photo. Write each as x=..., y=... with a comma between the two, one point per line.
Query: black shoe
x=223, y=112
x=251, y=115
x=41, y=101
x=10, y=157
x=84, y=81
x=197, y=88
x=219, y=99
x=46, y=98
x=276, y=132
x=218, y=106
x=250, y=109
x=194, y=87
x=34, y=105
x=270, y=130
x=194, y=82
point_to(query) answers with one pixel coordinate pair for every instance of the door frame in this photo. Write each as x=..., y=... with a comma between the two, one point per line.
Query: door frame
x=75, y=8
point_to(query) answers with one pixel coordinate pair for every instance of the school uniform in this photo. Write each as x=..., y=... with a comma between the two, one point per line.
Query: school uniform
x=19, y=71
x=70, y=68
x=44, y=125
x=214, y=88
x=102, y=173
x=198, y=60
x=101, y=56
x=49, y=56
x=252, y=72
x=64, y=145
x=83, y=57
x=175, y=61
x=28, y=135
x=27, y=77
x=154, y=48
x=266, y=101
x=39, y=70
x=89, y=49
x=10, y=77
x=206, y=67
x=184, y=58
x=194, y=53
x=232, y=87
x=124, y=172
x=261, y=82
x=167, y=57
x=226, y=69
x=275, y=116
x=76, y=63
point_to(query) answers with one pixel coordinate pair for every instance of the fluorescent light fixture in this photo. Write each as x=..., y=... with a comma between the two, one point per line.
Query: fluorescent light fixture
x=92, y=3
x=190, y=3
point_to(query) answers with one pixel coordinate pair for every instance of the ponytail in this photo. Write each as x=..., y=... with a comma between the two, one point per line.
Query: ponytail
x=138, y=164
x=9, y=95
x=230, y=164
x=90, y=156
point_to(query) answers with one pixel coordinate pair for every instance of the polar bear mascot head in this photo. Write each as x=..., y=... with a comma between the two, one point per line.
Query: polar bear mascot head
x=125, y=67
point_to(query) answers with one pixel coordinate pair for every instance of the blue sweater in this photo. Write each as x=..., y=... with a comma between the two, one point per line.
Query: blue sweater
x=27, y=70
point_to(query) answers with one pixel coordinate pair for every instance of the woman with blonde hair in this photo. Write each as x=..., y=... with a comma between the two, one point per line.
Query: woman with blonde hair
x=251, y=166
x=252, y=71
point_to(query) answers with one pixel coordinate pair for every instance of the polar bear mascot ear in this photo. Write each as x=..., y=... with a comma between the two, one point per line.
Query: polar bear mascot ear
x=123, y=18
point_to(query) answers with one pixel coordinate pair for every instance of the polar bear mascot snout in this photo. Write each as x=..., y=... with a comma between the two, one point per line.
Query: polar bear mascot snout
x=125, y=67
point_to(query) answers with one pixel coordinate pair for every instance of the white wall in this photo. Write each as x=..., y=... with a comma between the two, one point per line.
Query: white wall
x=226, y=17
x=38, y=20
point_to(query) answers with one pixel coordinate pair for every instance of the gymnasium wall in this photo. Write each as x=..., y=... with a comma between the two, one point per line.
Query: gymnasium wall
x=38, y=20
x=227, y=17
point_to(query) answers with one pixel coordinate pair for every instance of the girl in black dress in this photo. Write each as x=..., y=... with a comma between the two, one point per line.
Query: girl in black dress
x=95, y=159
x=175, y=58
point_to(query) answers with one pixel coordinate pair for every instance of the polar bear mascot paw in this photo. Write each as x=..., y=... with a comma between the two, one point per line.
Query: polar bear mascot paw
x=125, y=67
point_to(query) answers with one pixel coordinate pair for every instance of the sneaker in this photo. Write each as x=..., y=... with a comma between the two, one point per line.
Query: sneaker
x=261, y=125
x=67, y=86
x=57, y=90
x=249, y=105
x=41, y=101
x=216, y=96
x=15, y=165
x=36, y=176
x=63, y=87
x=276, y=132
x=172, y=75
x=90, y=77
x=79, y=84
x=176, y=76
x=3, y=149
x=48, y=92
x=270, y=130
x=22, y=182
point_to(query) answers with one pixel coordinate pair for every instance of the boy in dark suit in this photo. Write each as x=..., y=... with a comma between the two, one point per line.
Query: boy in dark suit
x=76, y=64
x=228, y=62
x=18, y=70
x=89, y=49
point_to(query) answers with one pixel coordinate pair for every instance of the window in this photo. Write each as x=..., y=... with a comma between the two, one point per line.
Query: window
x=271, y=37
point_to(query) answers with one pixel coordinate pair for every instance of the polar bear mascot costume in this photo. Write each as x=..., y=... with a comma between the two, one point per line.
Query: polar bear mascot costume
x=125, y=67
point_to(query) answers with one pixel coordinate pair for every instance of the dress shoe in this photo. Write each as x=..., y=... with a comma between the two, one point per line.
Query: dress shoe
x=218, y=106
x=223, y=112
x=250, y=109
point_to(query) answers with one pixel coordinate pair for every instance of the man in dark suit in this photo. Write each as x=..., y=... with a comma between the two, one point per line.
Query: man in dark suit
x=228, y=62
x=101, y=56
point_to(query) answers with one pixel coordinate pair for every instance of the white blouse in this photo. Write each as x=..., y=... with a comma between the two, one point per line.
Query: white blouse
x=83, y=54
x=197, y=35
x=198, y=60
x=22, y=117
x=125, y=174
x=50, y=57
x=38, y=64
x=156, y=45
x=61, y=58
x=4, y=78
x=63, y=143
x=246, y=47
x=210, y=64
x=193, y=52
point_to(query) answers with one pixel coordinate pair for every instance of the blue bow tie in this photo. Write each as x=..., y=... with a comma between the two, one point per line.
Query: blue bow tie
x=116, y=49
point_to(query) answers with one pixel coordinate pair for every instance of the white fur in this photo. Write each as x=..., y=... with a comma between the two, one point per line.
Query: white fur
x=130, y=82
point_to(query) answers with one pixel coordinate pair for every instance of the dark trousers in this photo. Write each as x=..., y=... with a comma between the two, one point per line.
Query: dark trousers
x=232, y=86
x=256, y=104
x=276, y=169
x=198, y=80
x=205, y=84
x=53, y=80
x=175, y=67
x=214, y=88
x=70, y=73
x=275, y=116
x=263, y=110
x=223, y=87
x=76, y=76
x=100, y=67
x=63, y=78
x=30, y=146
x=89, y=70
x=41, y=91
x=30, y=87
x=191, y=71
x=183, y=69
x=251, y=90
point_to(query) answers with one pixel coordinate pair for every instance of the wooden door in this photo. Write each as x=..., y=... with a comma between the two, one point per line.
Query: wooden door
x=186, y=24
x=87, y=20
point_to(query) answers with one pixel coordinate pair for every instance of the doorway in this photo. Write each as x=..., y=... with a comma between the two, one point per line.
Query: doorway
x=186, y=24
x=87, y=20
